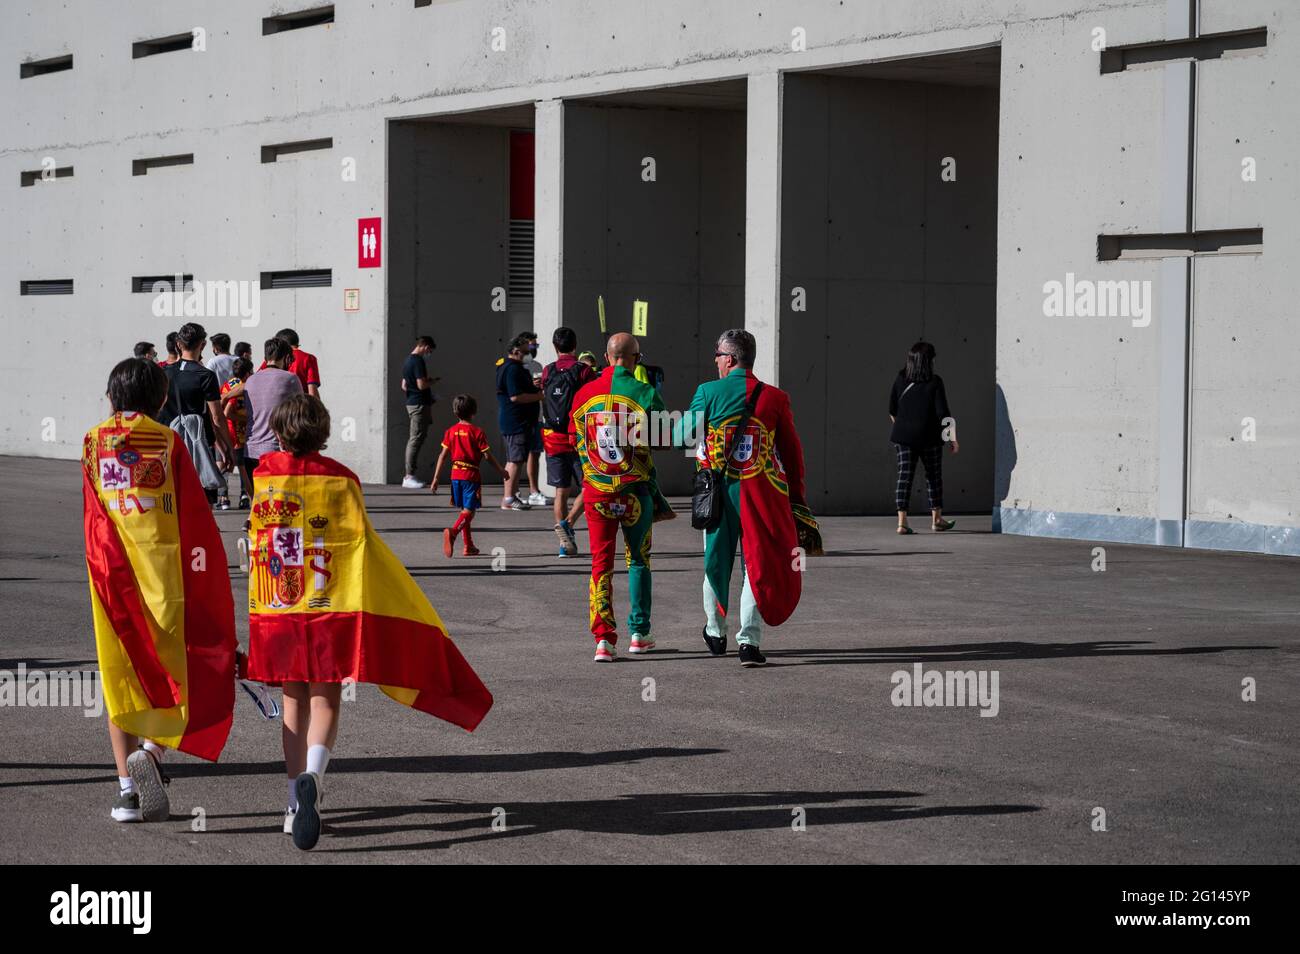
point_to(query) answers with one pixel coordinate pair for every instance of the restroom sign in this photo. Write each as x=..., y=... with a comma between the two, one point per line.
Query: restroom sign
x=369, y=243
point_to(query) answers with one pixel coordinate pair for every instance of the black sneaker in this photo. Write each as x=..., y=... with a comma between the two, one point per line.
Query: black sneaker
x=306, y=824
x=717, y=644
x=751, y=657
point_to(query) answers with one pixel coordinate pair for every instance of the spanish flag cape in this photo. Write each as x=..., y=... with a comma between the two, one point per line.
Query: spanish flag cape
x=329, y=602
x=159, y=591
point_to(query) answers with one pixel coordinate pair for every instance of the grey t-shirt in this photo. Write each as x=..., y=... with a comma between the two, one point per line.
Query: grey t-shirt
x=264, y=392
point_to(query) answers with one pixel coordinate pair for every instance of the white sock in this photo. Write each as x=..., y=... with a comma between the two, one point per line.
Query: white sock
x=318, y=756
x=126, y=783
x=293, y=794
x=154, y=749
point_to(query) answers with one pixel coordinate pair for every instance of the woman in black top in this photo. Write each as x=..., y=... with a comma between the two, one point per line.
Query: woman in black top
x=918, y=407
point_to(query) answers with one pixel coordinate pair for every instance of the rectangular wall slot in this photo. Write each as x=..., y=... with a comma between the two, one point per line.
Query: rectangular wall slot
x=55, y=64
x=141, y=167
x=316, y=16
x=274, y=152
x=1209, y=47
x=303, y=278
x=1219, y=242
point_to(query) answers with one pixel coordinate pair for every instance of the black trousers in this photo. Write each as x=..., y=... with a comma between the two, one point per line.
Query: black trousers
x=932, y=458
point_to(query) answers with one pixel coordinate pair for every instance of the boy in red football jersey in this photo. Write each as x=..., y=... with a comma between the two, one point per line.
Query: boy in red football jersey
x=468, y=446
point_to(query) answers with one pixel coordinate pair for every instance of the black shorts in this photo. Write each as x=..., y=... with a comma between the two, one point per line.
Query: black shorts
x=564, y=470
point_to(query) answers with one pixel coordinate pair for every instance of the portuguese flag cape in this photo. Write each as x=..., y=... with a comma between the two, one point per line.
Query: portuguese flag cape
x=328, y=600
x=765, y=483
x=612, y=429
x=159, y=590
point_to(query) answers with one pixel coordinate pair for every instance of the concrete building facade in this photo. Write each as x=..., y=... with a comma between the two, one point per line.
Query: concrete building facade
x=1090, y=207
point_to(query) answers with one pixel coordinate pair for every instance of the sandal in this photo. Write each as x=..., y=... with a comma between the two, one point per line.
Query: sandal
x=942, y=525
x=905, y=530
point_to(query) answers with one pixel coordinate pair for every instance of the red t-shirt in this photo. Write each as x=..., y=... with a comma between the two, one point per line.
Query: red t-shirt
x=467, y=444
x=236, y=413
x=559, y=442
x=304, y=365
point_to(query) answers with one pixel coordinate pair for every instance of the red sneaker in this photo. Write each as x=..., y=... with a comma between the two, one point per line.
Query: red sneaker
x=470, y=551
x=447, y=539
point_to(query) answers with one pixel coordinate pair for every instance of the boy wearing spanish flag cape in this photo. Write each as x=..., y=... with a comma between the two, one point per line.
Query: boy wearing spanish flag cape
x=329, y=602
x=159, y=592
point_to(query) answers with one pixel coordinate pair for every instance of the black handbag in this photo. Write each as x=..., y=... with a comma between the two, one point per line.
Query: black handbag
x=710, y=484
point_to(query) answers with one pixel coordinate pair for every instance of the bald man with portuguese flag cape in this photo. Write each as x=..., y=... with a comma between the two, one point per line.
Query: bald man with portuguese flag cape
x=764, y=509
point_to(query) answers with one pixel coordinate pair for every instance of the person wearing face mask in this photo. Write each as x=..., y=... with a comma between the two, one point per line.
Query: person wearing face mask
x=518, y=400
x=534, y=367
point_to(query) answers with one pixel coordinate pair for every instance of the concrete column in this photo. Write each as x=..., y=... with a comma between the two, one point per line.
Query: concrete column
x=548, y=235
x=763, y=221
x=548, y=224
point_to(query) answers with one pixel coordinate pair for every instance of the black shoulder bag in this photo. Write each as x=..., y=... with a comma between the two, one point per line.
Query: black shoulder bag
x=710, y=485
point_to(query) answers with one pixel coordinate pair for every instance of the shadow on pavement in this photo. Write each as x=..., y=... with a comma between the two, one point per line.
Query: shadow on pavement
x=461, y=823
x=412, y=764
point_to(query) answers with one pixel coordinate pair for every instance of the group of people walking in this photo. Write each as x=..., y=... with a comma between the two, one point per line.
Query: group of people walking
x=221, y=407
x=329, y=603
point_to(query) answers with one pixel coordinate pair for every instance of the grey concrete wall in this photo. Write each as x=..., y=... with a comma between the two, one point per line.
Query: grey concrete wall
x=887, y=253
x=448, y=201
x=1080, y=154
x=676, y=242
x=1082, y=411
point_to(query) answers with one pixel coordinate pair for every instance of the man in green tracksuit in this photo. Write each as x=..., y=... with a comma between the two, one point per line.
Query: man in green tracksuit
x=764, y=482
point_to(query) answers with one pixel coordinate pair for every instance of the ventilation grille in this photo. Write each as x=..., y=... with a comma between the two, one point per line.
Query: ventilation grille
x=519, y=284
x=142, y=284
x=47, y=286
x=305, y=278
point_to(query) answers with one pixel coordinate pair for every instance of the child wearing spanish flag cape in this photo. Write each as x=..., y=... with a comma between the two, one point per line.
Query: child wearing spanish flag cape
x=329, y=602
x=159, y=593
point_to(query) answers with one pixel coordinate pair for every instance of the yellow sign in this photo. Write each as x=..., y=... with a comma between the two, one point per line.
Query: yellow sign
x=600, y=310
x=640, y=312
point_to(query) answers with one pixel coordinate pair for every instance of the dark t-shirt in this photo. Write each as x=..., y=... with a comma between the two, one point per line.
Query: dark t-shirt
x=190, y=387
x=413, y=369
x=512, y=379
x=918, y=408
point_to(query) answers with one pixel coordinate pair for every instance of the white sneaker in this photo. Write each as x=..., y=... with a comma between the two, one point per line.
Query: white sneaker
x=412, y=483
x=605, y=651
x=288, y=820
x=641, y=644
x=538, y=500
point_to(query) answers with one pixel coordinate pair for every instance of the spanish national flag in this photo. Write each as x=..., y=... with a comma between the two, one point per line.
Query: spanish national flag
x=159, y=590
x=328, y=600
